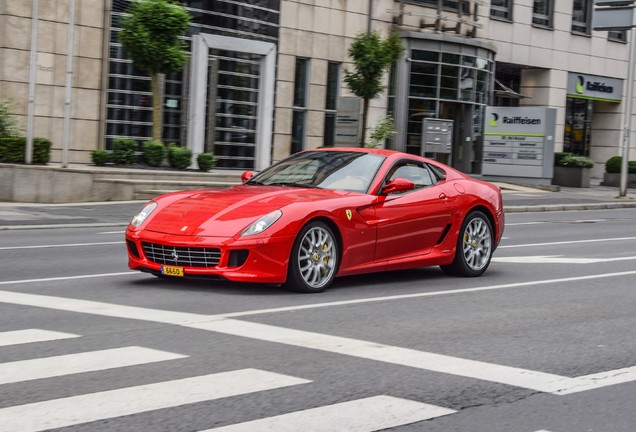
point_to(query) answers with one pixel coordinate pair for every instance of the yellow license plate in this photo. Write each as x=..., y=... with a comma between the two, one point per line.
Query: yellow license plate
x=172, y=270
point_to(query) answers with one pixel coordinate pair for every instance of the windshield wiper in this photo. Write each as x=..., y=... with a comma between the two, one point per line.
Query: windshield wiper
x=291, y=184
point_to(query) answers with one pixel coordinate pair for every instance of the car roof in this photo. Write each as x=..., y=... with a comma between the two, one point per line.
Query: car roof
x=378, y=151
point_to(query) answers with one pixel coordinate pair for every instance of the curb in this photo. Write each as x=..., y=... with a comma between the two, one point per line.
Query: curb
x=569, y=207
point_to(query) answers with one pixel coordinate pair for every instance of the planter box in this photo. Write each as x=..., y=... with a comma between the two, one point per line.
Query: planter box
x=572, y=177
x=614, y=179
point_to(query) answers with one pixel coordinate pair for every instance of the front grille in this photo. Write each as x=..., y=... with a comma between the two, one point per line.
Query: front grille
x=182, y=256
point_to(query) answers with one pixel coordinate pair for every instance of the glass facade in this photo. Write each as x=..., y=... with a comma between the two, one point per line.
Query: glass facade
x=233, y=80
x=441, y=80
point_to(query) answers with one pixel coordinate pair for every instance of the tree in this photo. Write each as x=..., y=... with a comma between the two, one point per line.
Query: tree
x=8, y=124
x=372, y=56
x=150, y=37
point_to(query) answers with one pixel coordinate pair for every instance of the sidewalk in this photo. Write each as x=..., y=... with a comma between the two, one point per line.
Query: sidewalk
x=118, y=213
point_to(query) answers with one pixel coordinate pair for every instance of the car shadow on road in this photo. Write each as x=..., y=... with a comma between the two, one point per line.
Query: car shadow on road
x=425, y=278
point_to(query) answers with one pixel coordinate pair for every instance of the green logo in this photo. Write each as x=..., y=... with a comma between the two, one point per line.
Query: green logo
x=579, y=85
x=494, y=118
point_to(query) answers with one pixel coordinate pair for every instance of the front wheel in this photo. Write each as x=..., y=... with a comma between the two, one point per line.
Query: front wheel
x=474, y=246
x=314, y=259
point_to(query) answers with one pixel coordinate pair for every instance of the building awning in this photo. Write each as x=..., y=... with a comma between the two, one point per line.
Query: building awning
x=504, y=91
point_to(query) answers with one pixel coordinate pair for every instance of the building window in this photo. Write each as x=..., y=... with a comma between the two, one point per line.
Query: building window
x=542, y=13
x=581, y=13
x=617, y=36
x=331, y=103
x=444, y=4
x=300, y=104
x=501, y=9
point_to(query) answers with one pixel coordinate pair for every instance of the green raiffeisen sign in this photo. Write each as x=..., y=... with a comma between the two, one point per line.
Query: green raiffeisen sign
x=519, y=142
x=592, y=87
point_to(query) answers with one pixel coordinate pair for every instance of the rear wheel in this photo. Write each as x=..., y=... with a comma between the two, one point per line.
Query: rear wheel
x=314, y=259
x=474, y=246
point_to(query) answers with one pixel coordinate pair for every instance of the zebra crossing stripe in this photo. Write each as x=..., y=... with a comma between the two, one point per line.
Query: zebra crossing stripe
x=18, y=337
x=513, y=376
x=362, y=415
x=32, y=369
x=74, y=410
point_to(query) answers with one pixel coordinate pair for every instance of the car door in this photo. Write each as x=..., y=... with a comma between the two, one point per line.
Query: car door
x=411, y=223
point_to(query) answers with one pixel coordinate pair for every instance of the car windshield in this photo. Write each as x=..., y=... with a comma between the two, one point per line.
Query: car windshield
x=339, y=170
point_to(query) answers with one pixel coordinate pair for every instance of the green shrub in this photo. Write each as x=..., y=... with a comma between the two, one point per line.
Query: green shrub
x=206, y=161
x=100, y=157
x=154, y=152
x=179, y=157
x=12, y=150
x=124, y=151
x=559, y=156
x=8, y=124
x=572, y=160
x=614, y=165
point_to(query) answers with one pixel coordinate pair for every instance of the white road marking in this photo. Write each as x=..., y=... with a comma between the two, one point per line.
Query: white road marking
x=48, y=367
x=18, y=337
x=112, y=232
x=558, y=259
x=386, y=353
x=362, y=415
x=61, y=245
x=524, y=223
x=569, y=242
x=61, y=278
x=58, y=413
x=364, y=349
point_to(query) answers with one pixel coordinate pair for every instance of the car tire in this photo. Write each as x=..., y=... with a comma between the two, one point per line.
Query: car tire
x=474, y=247
x=313, y=262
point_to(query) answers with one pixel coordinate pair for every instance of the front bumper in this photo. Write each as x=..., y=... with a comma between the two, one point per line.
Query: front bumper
x=261, y=260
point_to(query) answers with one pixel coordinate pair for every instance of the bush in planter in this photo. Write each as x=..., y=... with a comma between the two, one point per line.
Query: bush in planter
x=572, y=160
x=124, y=151
x=12, y=150
x=179, y=157
x=613, y=165
x=154, y=152
x=206, y=161
x=100, y=157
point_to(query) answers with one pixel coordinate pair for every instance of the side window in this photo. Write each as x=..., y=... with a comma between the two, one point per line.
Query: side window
x=419, y=174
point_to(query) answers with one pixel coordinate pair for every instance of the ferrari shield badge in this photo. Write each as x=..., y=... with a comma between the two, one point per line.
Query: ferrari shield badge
x=349, y=214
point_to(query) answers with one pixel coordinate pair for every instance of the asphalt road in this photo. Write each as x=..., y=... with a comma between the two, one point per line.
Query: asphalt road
x=542, y=342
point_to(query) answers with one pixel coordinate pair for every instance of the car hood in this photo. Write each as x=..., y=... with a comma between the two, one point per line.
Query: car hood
x=227, y=212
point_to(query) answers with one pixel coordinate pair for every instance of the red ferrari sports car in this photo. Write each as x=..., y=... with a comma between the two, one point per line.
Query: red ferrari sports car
x=320, y=214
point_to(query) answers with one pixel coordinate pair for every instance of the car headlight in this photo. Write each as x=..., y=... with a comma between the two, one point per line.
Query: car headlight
x=143, y=214
x=263, y=223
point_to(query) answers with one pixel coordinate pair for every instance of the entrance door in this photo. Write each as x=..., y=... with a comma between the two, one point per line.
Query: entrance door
x=578, y=126
x=462, y=150
x=232, y=107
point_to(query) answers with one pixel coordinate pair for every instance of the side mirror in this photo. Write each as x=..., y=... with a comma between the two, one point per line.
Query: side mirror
x=398, y=185
x=246, y=176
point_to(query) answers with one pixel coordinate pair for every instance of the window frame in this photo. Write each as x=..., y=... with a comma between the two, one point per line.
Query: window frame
x=505, y=11
x=300, y=103
x=545, y=21
x=583, y=27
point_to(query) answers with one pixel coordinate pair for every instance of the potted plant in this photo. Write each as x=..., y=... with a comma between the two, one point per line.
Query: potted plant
x=612, y=176
x=572, y=170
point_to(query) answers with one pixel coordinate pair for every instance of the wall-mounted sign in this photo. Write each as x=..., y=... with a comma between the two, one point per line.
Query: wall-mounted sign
x=519, y=142
x=437, y=136
x=605, y=89
x=348, y=122
x=45, y=68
